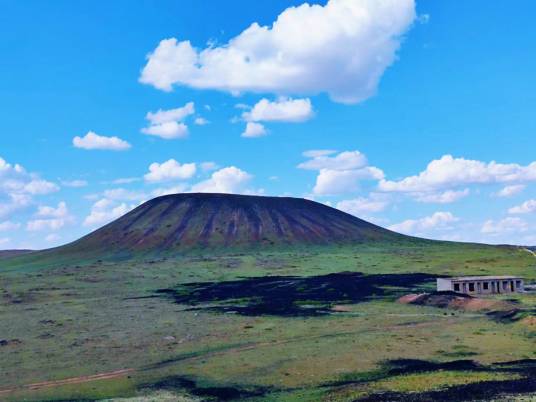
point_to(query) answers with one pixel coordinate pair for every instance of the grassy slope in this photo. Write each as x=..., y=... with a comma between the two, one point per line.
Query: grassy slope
x=72, y=314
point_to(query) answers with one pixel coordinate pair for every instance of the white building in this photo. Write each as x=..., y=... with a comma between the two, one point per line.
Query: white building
x=481, y=284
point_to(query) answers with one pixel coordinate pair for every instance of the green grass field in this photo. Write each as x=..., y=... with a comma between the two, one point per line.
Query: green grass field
x=214, y=332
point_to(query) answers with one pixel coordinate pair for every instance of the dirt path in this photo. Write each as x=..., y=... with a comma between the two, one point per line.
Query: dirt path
x=74, y=380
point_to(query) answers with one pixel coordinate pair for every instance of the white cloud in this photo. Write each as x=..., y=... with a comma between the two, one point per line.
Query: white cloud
x=526, y=208
x=94, y=141
x=74, y=183
x=124, y=195
x=314, y=153
x=506, y=225
x=168, y=124
x=50, y=218
x=126, y=180
x=179, y=188
x=343, y=161
x=342, y=49
x=8, y=226
x=510, y=191
x=45, y=224
x=60, y=211
x=449, y=172
x=40, y=187
x=445, y=197
x=165, y=116
x=227, y=180
x=4, y=241
x=208, y=166
x=254, y=130
x=105, y=211
x=18, y=187
x=170, y=170
x=52, y=238
x=168, y=131
x=14, y=203
x=331, y=182
x=201, y=121
x=361, y=205
x=282, y=110
x=416, y=226
x=341, y=173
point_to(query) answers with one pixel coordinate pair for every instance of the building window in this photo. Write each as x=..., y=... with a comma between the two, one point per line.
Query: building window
x=518, y=284
x=486, y=285
x=471, y=287
x=456, y=287
x=505, y=285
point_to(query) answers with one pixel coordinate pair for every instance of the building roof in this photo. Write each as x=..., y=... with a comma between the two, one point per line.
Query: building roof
x=482, y=278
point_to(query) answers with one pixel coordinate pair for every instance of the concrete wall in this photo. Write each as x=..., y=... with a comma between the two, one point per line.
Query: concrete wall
x=489, y=286
x=444, y=284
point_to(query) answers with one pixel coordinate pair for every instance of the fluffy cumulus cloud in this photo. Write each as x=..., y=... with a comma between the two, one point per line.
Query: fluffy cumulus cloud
x=340, y=173
x=105, y=211
x=227, y=180
x=60, y=211
x=361, y=205
x=170, y=170
x=331, y=181
x=254, y=130
x=201, y=121
x=313, y=153
x=124, y=194
x=74, y=183
x=19, y=187
x=341, y=48
x=510, y=191
x=449, y=172
x=526, y=208
x=8, y=226
x=50, y=218
x=52, y=237
x=178, y=114
x=168, y=131
x=442, y=197
x=343, y=161
x=168, y=124
x=438, y=220
x=504, y=226
x=44, y=224
x=282, y=110
x=40, y=187
x=208, y=166
x=92, y=141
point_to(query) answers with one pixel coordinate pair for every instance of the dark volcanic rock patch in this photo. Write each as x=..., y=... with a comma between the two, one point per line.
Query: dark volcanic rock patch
x=476, y=391
x=220, y=393
x=292, y=296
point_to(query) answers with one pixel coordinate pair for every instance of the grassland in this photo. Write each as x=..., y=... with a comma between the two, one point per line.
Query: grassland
x=205, y=327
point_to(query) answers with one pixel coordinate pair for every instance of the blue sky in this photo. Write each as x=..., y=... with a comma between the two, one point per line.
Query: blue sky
x=416, y=116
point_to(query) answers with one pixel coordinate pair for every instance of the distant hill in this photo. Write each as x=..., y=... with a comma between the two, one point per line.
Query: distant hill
x=13, y=253
x=178, y=223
